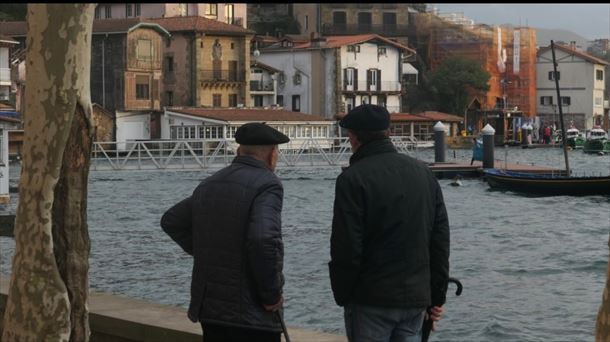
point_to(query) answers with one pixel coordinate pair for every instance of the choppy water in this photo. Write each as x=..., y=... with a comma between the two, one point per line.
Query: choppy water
x=533, y=268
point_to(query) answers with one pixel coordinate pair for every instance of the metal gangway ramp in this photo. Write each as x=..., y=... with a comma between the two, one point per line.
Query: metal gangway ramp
x=217, y=153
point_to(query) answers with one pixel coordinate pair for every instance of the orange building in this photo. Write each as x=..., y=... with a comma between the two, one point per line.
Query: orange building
x=508, y=54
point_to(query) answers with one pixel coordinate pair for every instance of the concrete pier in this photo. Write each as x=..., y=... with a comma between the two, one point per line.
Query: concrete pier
x=120, y=319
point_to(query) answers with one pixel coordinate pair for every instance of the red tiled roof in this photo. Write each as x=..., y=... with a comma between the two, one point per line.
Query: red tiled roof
x=338, y=41
x=571, y=51
x=396, y=117
x=424, y=116
x=440, y=116
x=247, y=114
x=262, y=65
x=200, y=24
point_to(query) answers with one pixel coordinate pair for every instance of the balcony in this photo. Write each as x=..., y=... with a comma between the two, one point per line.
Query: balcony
x=381, y=29
x=5, y=76
x=258, y=86
x=363, y=86
x=219, y=75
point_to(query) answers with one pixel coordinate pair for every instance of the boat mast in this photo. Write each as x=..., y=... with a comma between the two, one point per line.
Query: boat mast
x=563, y=129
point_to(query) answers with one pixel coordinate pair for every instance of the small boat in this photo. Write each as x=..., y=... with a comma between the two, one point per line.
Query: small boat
x=550, y=184
x=597, y=142
x=547, y=184
x=574, y=139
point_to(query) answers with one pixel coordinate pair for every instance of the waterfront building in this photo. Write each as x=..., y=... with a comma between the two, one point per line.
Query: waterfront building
x=230, y=13
x=6, y=45
x=263, y=85
x=582, y=83
x=206, y=63
x=191, y=123
x=331, y=75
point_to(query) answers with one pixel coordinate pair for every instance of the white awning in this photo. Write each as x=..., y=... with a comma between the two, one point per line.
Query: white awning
x=407, y=68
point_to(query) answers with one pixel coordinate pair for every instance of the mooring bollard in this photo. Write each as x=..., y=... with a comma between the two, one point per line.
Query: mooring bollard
x=488, y=146
x=439, y=142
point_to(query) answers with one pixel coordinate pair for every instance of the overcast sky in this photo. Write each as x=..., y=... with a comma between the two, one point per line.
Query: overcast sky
x=589, y=20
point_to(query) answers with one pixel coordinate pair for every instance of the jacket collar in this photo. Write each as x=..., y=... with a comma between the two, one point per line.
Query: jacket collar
x=372, y=148
x=251, y=161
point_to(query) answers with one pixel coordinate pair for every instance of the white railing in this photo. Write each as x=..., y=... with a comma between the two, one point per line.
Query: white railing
x=204, y=154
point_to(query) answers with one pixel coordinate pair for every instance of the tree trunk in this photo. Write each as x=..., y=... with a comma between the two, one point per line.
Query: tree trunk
x=603, y=316
x=48, y=292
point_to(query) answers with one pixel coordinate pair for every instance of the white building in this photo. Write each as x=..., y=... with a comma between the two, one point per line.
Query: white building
x=195, y=123
x=230, y=13
x=332, y=75
x=6, y=44
x=263, y=84
x=581, y=84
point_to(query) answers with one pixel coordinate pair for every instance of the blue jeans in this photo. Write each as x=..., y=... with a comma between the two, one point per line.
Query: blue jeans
x=365, y=323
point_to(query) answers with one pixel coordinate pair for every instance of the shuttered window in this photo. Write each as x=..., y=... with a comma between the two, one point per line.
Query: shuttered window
x=142, y=87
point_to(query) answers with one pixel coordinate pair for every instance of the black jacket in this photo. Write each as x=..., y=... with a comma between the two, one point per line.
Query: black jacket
x=232, y=226
x=390, y=233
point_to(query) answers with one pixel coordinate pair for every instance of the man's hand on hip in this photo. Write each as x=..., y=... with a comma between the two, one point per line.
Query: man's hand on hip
x=276, y=306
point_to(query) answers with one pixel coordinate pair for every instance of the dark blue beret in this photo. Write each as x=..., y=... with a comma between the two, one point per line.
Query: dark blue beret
x=257, y=133
x=366, y=117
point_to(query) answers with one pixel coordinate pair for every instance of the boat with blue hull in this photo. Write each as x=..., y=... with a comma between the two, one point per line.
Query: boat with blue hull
x=547, y=184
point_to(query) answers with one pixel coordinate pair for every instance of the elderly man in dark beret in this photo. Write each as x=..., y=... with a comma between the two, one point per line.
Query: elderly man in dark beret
x=390, y=236
x=231, y=225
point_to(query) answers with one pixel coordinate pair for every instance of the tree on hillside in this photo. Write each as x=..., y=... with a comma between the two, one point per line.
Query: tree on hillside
x=49, y=281
x=456, y=81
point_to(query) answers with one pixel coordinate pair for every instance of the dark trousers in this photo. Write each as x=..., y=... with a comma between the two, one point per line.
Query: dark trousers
x=218, y=333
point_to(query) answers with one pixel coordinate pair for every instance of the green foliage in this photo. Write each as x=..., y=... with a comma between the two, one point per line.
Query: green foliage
x=455, y=81
x=13, y=12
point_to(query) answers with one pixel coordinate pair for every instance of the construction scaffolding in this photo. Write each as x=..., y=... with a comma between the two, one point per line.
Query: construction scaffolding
x=508, y=54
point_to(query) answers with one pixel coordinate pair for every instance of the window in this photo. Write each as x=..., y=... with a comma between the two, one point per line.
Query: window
x=216, y=100
x=169, y=96
x=258, y=101
x=373, y=79
x=230, y=12
x=232, y=100
x=169, y=63
x=546, y=100
x=339, y=18
x=210, y=132
x=565, y=101
x=142, y=87
x=599, y=75
x=598, y=102
x=108, y=12
x=350, y=80
x=353, y=48
x=231, y=131
x=364, y=21
x=98, y=12
x=551, y=76
x=138, y=10
x=382, y=100
x=306, y=22
x=382, y=51
x=350, y=103
x=211, y=9
x=280, y=100
x=183, y=9
x=296, y=103
x=297, y=78
x=389, y=19
x=128, y=10
x=144, y=49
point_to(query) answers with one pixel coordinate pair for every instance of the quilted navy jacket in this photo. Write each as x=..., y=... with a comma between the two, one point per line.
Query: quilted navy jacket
x=231, y=225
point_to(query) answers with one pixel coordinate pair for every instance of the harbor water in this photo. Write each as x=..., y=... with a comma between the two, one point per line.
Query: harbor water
x=533, y=268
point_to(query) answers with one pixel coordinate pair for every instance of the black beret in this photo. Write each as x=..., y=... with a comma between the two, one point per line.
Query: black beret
x=256, y=133
x=366, y=117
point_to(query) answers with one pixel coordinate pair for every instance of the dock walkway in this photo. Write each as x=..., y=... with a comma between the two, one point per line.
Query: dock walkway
x=120, y=319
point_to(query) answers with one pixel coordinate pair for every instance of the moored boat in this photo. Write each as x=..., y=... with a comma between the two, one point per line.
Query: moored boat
x=547, y=184
x=597, y=141
x=574, y=139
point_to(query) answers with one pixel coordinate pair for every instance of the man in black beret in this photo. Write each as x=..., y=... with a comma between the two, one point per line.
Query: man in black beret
x=390, y=236
x=231, y=225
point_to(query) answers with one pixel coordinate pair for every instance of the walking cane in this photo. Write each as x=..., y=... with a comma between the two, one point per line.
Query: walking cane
x=279, y=315
x=427, y=327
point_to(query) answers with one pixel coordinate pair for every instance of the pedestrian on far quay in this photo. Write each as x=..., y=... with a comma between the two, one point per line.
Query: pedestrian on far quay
x=390, y=236
x=231, y=225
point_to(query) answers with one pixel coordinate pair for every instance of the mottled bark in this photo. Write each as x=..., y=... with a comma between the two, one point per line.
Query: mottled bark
x=603, y=316
x=58, y=66
x=70, y=233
